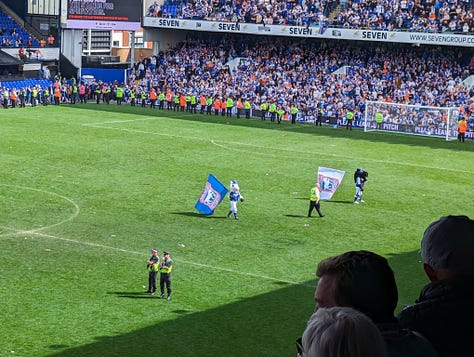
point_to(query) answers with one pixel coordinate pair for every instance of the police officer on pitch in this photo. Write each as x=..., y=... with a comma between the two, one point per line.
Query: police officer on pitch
x=152, y=265
x=165, y=275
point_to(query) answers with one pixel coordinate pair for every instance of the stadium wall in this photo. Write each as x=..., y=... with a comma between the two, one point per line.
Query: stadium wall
x=19, y=7
x=71, y=46
x=37, y=53
x=163, y=37
x=104, y=74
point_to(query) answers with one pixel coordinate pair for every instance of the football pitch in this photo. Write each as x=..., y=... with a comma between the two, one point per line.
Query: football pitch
x=87, y=190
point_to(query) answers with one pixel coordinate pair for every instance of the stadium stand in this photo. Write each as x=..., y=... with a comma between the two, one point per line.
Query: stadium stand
x=432, y=16
x=313, y=74
x=278, y=12
x=421, y=16
x=27, y=83
x=334, y=76
x=309, y=73
x=13, y=35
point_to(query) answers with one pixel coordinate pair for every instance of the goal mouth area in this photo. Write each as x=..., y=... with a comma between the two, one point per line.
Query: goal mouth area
x=411, y=119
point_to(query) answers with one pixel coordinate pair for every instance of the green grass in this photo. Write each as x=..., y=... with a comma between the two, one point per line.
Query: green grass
x=86, y=191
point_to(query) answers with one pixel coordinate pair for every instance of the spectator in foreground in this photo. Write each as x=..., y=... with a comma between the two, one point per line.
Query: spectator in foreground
x=444, y=312
x=342, y=332
x=364, y=281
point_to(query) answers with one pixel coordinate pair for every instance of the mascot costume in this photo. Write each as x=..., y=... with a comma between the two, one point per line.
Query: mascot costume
x=360, y=176
x=235, y=197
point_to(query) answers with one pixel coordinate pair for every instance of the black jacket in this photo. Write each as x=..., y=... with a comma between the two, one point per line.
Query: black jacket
x=444, y=314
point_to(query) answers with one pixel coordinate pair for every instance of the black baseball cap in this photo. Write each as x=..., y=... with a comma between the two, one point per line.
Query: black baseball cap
x=449, y=237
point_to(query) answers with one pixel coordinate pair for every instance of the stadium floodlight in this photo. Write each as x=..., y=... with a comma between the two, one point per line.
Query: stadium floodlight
x=411, y=119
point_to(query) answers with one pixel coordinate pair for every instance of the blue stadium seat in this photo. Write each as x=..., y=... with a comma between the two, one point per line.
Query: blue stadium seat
x=27, y=82
x=8, y=23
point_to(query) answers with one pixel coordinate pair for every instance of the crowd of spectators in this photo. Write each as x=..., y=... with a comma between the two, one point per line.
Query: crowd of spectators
x=260, y=12
x=14, y=35
x=333, y=77
x=437, y=324
x=302, y=72
x=411, y=15
x=10, y=37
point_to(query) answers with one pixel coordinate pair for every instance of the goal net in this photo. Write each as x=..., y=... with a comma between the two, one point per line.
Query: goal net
x=411, y=119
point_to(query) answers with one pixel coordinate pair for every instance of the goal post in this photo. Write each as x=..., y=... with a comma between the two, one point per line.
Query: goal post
x=411, y=119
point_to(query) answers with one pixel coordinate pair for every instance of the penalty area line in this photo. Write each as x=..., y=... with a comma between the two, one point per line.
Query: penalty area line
x=210, y=267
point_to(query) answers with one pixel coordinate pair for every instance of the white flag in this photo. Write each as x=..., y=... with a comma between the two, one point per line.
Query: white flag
x=329, y=180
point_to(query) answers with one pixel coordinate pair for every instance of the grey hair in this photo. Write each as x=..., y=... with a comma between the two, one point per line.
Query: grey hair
x=342, y=332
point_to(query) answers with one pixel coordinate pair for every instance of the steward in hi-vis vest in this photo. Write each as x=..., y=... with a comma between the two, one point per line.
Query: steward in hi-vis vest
x=294, y=113
x=153, y=266
x=349, y=118
x=247, y=107
x=166, y=266
x=263, y=109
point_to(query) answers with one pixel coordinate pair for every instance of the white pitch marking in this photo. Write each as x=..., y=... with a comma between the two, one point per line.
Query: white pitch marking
x=122, y=121
x=206, y=266
x=339, y=157
x=147, y=132
x=73, y=216
x=269, y=154
x=14, y=231
x=244, y=273
x=177, y=260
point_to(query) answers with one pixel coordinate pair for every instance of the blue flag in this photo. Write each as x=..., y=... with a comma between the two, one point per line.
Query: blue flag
x=213, y=193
